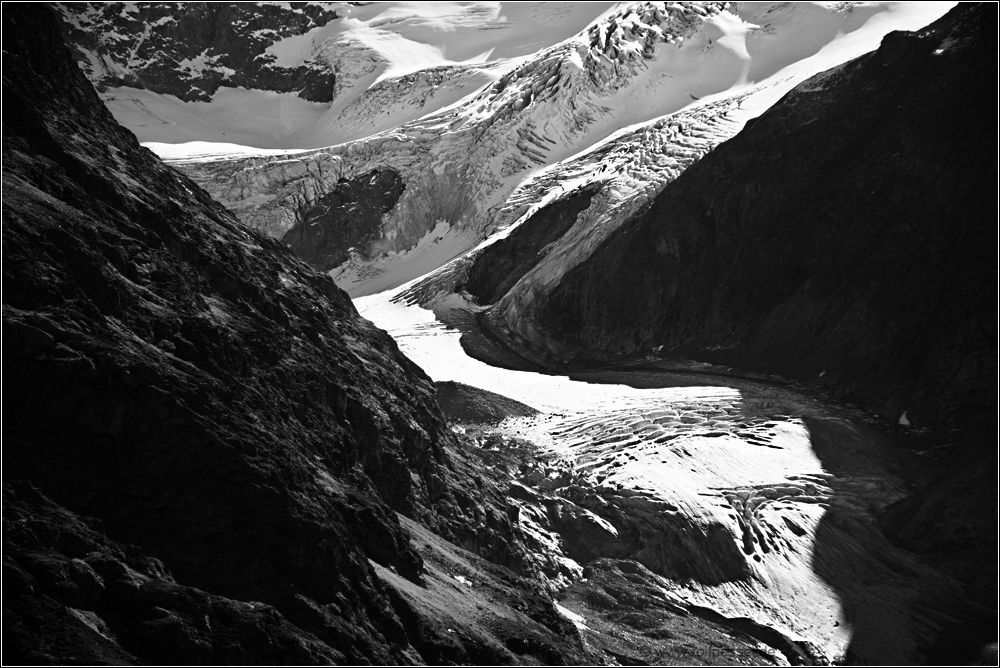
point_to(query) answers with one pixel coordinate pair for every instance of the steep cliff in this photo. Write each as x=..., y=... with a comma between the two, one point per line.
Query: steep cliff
x=208, y=452
x=504, y=263
x=346, y=217
x=843, y=237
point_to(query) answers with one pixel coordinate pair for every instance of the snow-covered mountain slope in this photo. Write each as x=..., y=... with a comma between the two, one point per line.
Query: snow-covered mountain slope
x=628, y=102
x=280, y=75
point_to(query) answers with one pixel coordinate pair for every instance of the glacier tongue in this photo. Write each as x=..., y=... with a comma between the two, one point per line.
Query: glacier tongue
x=748, y=499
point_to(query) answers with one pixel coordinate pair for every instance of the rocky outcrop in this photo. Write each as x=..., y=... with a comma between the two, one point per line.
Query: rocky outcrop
x=207, y=450
x=503, y=264
x=464, y=403
x=349, y=215
x=842, y=237
x=190, y=50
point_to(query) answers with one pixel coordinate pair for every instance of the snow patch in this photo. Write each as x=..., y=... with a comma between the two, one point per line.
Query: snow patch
x=579, y=621
x=362, y=276
x=293, y=51
x=276, y=122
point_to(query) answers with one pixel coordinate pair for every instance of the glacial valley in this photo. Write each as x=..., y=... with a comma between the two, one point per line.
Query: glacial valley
x=652, y=333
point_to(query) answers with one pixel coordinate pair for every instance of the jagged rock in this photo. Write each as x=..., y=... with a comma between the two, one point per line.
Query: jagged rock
x=586, y=536
x=71, y=595
x=629, y=615
x=203, y=392
x=532, y=478
x=554, y=482
x=212, y=401
x=190, y=50
x=658, y=537
x=519, y=490
x=503, y=264
x=347, y=216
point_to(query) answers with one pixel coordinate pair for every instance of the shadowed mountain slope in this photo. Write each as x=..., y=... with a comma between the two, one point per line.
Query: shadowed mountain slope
x=844, y=239
x=206, y=447
x=845, y=235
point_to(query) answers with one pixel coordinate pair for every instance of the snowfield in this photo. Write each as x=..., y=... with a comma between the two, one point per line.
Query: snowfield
x=394, y=62
x=629, y=102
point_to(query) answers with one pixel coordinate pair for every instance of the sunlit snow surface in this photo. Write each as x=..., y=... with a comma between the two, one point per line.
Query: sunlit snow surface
x=727, y=480
x=475, y=42
x=567, y=114
x=384, y=41
x=684, y=446
x=437, y=350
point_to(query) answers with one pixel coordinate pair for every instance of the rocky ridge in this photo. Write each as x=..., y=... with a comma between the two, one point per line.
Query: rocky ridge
x=347, y=216
x=210, y=457
x=320, y=74
x=190, y=50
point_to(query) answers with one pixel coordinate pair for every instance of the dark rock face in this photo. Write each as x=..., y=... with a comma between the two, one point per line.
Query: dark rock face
x=846, y=232
x=246, y=442
x=348, y=216
x=190, y=49
x=69, y=592
x=504, y=263
x=190, y=383
x=952, y=524
x=954, y=527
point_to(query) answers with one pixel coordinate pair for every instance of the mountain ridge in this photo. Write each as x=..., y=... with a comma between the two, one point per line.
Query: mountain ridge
x=210, y=456
x=686, y=76
x=856, y=203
